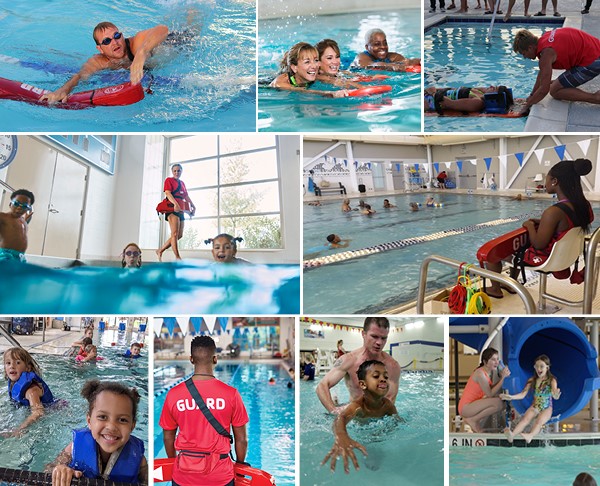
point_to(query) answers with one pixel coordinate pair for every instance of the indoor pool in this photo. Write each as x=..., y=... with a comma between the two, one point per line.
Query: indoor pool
x=380, y=281
x=399, y=110
x=270, y=408
x=535, y=466
x=457, y=54
x=409, y=453
x=155, y=288
x=49, y=435
x=199, y=86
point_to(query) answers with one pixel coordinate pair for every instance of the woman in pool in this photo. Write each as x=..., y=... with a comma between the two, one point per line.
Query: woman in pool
x=480, y=397
x=174, y=207
x=299, y=70
x=572, y=210
x=224, y=248
x=131, y=256
x=25, y=386
x=330, y=63
x=105, y=448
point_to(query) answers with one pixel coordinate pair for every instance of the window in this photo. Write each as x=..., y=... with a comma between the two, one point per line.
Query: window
x=234, y=182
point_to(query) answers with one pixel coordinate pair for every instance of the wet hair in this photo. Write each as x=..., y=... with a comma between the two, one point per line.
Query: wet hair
x=231, y=239
x=100, y=27
x=487, y=355
x=365, y=365
x=135, y=345
x=139, y=263
x=90, y=347
x=584, y=479
x=203, y=346
x=23, y=192
x=367, y=206
x=22, y=355
x=322, y=46
x=371, y=32
x=568, y=174
x=92, y=388
x=331, y=237
x=523, y=40
x=549, y=376
x=294, y=55
x=376, y=321
x=86, y=341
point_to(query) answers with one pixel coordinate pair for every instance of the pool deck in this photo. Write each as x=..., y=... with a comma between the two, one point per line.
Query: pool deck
x=54, y=341
x=549, y=115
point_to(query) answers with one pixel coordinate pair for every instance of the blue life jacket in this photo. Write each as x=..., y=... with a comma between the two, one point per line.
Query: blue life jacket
x=18, y=389
x=85, y=458
x=128, y=355
x=499, y=102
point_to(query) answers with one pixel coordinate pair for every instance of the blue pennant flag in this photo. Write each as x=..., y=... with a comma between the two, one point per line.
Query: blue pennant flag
x=436, y=166
x=170, y=322
x=196, y=323
x=398, y=167
x=369, y=165
x=459, y=165
x=345, y=162
x=560, y=151
x=223, y=322
x=519, y=157
x=417, y=167
x=488, y=162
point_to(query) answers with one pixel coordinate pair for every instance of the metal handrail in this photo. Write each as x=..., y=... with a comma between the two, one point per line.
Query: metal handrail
x=6, y=186
x=589, y=289
x=511, y=283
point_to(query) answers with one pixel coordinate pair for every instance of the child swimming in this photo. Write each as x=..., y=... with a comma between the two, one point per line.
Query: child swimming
x=224, y=248
x=105, y=448
x=373, y=380
x=134, y=351
x=545, y=389
x=25, y=386
x=90, y=354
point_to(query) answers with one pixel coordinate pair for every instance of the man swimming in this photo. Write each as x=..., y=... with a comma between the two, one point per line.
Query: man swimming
x=377, y=55
x=116, y=52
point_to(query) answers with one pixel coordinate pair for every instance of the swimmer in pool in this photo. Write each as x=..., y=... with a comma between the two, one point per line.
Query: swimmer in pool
x=373, y=380
x=387, y=205
x=336, y=242
x=224, y=248
x=330, y=63
x=375, y=333
x=299, y=69
x=367, y=210
x=413, y=206
x=13, y=226
x=115, y=52
x=430, y=202
x=377, y=55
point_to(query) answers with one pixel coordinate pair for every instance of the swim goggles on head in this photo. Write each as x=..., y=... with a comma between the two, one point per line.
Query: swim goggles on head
x=18, y=204
x=133, y=253
x=107, y=40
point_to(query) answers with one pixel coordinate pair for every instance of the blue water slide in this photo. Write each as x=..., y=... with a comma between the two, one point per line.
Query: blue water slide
x=573, y=359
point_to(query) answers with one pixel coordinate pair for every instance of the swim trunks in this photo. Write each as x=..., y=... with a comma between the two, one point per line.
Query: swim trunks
x=181, y=216
x=579, y=75
x=7, y=254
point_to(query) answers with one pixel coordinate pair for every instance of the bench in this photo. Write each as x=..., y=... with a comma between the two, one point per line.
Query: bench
x=319, y=191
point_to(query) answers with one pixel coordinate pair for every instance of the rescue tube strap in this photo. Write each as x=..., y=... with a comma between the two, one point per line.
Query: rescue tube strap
x=394, y=245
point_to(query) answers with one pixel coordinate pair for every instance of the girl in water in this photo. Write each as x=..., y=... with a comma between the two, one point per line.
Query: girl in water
x=25, y=386
x=330, y=63
x=299, y=70
x=131, y=256
x=105, y=449
x=224, y=248
x=545, y=389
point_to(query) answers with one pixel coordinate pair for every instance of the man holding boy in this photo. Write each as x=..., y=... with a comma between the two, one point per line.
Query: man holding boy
x=205, y=451
x=13, y=226
x=375, y=333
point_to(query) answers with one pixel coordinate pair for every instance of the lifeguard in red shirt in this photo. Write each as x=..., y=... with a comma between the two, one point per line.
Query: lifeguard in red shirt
x=564, y=48
x=187, y=432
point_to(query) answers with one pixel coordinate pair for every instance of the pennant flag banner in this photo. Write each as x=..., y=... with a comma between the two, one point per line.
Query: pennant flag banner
x=223, y=322
x=184, y=324
x=398, y=167
x=196, y=324
x=345, y=162
x=369, y=165
x=210, y=323
x=584, y=145
x=473, y=162
x=519, y=157
x=157, y=325
x=488, y=162
x=436, y=166
x=169, y=323
x=560, y=151
x=355, y=164
x=417, y=167
x=448, y=164
x=502, y=159
x=459, y=165
x=539, y=153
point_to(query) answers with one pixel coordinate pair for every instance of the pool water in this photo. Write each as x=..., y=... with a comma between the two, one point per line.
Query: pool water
x=198, y=87
x=159, y=288
x=271, y=410
x=388, y=279
x=457, y=54
x=49, y=435
x=409, y=453
x=536, y=466
x=398, y=110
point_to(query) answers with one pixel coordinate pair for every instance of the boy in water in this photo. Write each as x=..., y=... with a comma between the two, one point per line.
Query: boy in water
x=13, y=226
x=336, y=242
x=373, y=380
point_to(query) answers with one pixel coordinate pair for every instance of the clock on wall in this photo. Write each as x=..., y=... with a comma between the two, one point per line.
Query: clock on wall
x=8, y=149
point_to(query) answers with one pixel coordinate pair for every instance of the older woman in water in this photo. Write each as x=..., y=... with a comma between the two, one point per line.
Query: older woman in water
x=480, y=398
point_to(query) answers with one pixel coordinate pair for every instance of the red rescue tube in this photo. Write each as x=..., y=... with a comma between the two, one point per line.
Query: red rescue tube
x=370, y=90
x=245, y=475
x=415, y=68
x=502, y=247
x=121, y=94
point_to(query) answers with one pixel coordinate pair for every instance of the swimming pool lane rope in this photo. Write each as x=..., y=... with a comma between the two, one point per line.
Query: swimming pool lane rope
x=394, y=245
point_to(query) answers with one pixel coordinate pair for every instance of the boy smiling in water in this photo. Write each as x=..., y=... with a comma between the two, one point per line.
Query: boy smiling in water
x=373, y=380
x=13, y=226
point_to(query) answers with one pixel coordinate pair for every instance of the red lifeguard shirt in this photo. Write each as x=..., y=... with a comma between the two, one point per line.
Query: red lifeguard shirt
x=181, y=194
x=195, y=432
x=573, y=47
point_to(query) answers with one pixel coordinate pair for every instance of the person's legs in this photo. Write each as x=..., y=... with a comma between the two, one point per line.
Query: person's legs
x=463, y=104
x=555, y=7
x=542, y=418
x=432, y=5
x=524, y=422
x=473, y=412
x=494, y=289
x=511, y=4
x=565, y=87
x=175, y=226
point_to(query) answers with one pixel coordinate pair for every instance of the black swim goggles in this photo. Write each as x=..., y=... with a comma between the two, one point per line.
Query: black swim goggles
x=107, y=40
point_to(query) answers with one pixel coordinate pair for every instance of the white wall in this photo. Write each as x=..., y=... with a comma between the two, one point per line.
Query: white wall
x=272, y=9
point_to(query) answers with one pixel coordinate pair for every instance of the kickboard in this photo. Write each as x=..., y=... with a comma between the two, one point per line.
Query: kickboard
x=118, y=95
x=516, y=111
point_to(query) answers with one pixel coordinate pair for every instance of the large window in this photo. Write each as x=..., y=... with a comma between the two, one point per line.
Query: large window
x=234, y=181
